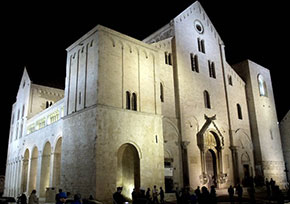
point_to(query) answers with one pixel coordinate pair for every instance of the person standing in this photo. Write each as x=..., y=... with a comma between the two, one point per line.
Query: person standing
x=239, y=191
x=231, y=193
x=57, y=196
x=33, y=199
x=23, y=199
x=161, y=195
x=155, y=195
x=118, y=198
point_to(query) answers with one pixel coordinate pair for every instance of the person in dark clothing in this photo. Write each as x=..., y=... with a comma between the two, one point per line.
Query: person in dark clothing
x=197, y=192
x=239, y=191
x=118, y=198
x=212, y=195
x=177, y=195
x=23, y=199
x=77, y=199
x=57, y=196
x=204, y=196
x=62, y=198
x=148, y=195
x=161, y=193
x=231, y=193
x=155, y=195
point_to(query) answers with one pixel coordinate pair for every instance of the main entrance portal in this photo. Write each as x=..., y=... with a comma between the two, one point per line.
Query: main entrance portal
x=211, y=167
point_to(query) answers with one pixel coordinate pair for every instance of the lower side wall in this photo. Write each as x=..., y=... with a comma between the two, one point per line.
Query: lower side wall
x=123, y=136
x=78, y=162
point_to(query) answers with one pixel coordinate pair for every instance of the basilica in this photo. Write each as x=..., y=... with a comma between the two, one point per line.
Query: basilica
x=167, y=111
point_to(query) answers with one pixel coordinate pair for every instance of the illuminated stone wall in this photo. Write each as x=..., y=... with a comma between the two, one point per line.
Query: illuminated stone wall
x=132, y=107
x=264, y=125
x=285, y=137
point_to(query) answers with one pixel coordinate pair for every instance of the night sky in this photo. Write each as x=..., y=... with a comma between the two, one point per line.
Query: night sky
x=36, y=36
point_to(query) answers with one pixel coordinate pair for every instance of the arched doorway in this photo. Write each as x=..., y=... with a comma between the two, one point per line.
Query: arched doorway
x=25, y=171
x=45, y=169
x=33, y=170
x=211, y=167
x=128, y=174
x=211, y=159
x=57, y=164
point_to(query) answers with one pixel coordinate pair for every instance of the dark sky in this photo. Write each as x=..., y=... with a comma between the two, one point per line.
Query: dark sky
x=36, y=36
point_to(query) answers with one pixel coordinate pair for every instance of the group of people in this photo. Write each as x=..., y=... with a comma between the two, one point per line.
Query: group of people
x=33, y=199
x=60, y=198
x=200, y=195
x=139, y=196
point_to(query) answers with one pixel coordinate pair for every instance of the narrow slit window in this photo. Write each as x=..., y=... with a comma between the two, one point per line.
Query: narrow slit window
x=194, y=62
x=128, y=100
x=161, y=92
x=239, y=110
x=206, y=100
x=134, y=101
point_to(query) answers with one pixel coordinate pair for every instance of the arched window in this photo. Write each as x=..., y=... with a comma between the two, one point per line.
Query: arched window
x=239, y=110
x=161, y=92
x=128, y=100
x=206, y=99
x=262, y=86
x=134, y=101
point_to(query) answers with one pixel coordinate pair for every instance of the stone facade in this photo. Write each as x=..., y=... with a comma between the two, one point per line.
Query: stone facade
x=166, y=111
x=285, y=135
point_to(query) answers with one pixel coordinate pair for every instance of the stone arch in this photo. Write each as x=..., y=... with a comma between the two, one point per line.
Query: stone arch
x=144, y=53
x=211, y=142
x=112, y=40
x=45, y=169
x=25, y=171
x=33, y=169
x=57, y=163
x=128, y=168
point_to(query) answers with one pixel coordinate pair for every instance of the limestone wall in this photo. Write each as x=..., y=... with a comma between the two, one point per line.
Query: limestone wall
x=144, y=132
x=285, y=135
x=263, y=118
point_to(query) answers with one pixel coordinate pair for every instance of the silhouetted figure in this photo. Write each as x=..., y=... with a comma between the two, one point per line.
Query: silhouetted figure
x=272, y=184
x=197, y=192
x=251, y=193
x=177, y=195
x=155, y=195
x=231, y=193
x=148, y=195
x=134, y=195
x=212, y=195
x=77, y=199
x=193, y=199
x=239, y=191
x=161, y=193
x=268, y=188
x=141, y=197
x=33, y=199
x=185, y=196
x=204, y=196
x=118, y=198
x=23, y=199
x=57, y=196
x=62, y=198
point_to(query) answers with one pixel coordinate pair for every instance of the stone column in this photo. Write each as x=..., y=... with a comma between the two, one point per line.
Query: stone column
x=185, y=163
x=38, y=172
x=235, y=163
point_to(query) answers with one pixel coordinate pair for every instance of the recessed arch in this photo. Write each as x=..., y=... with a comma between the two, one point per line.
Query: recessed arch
x=33, y=169
x=128, y=168
x=45, y=169
x=57, y=163
x=25, y=171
